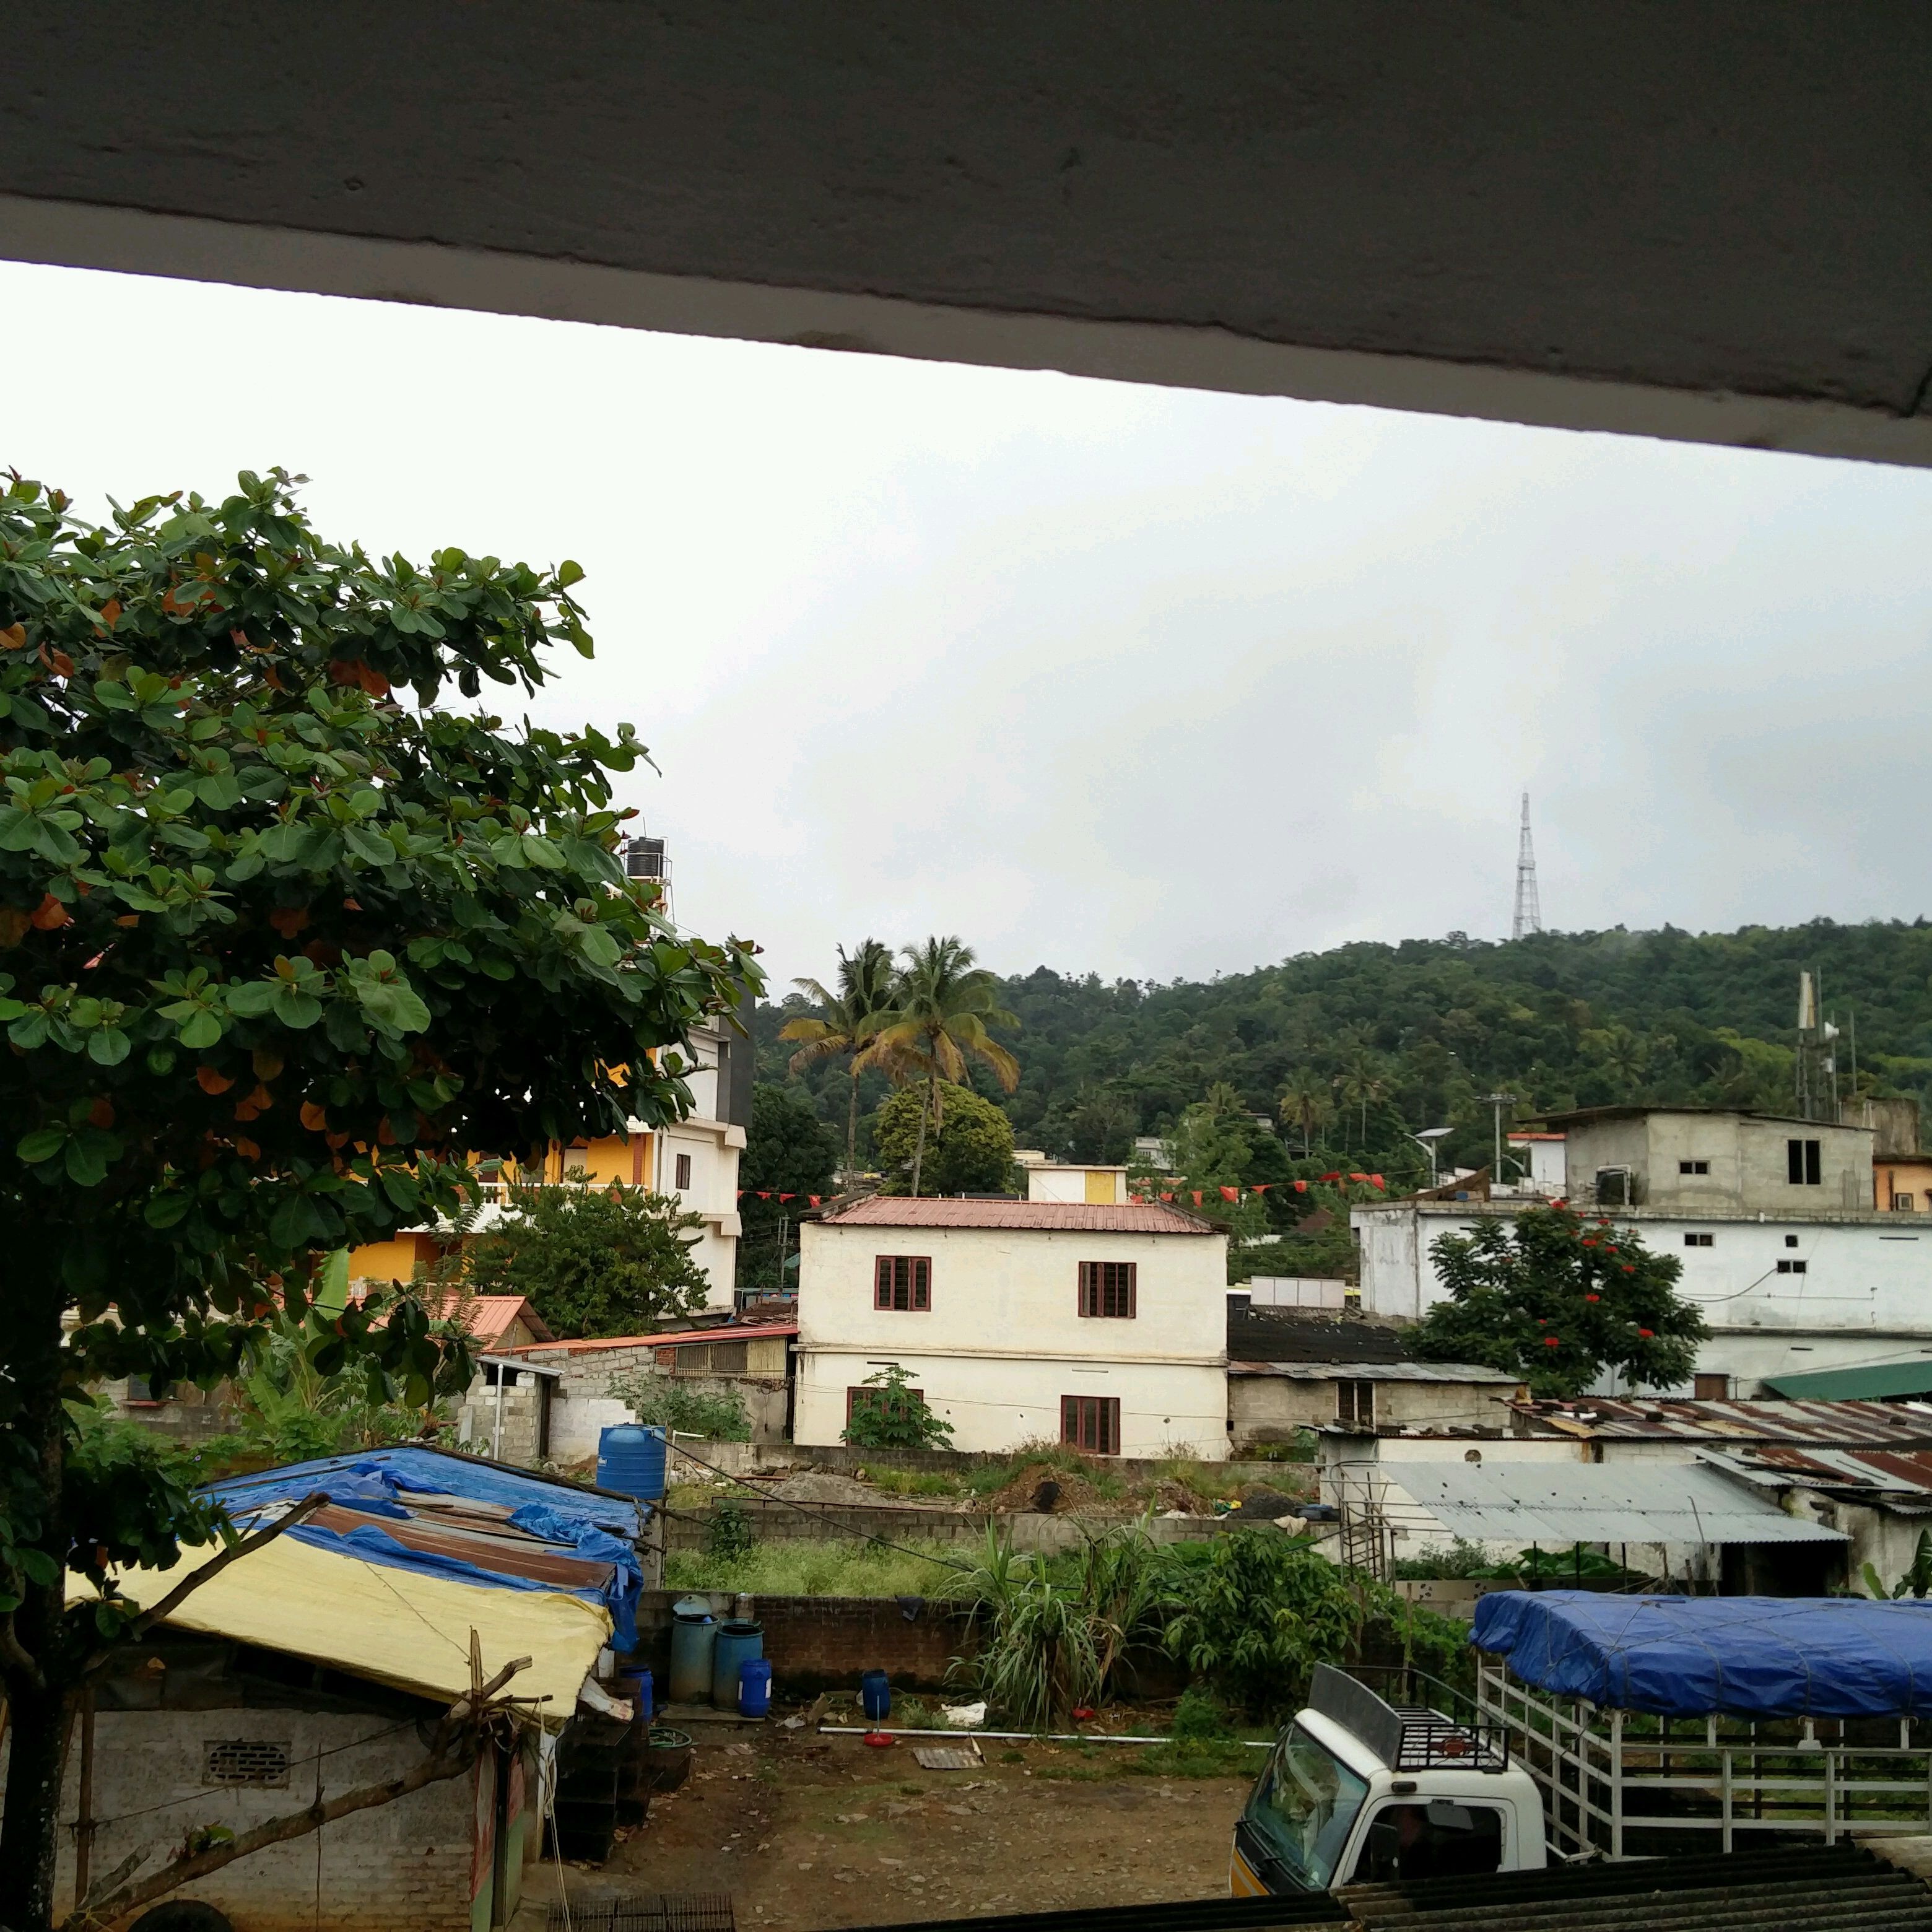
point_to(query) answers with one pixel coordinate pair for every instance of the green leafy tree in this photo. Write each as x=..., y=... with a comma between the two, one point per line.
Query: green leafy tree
x=277, y=948
x=971, y=1154
x=1556, y=1299
x=594, y=1261
x=865, y=995
x=894, y=1415
x=788, y=1149
x=1307, y=1102
x=943, y=1008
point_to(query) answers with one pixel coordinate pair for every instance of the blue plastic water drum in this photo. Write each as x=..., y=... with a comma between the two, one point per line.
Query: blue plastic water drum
x=693, y=1632
x=631, y=1460
x=754, y=1687
x=875, y=1696
x=739, y=1640
x=638, y=1688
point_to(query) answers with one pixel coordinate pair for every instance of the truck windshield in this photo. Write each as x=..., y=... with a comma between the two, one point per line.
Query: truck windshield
x=1304, y=1806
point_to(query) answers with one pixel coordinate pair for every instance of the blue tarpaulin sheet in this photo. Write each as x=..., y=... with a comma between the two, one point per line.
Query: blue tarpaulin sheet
x=598, y=1528
x=1754, y=1657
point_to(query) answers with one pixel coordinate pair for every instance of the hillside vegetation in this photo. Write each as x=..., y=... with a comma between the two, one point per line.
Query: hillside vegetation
x=1351, y=1050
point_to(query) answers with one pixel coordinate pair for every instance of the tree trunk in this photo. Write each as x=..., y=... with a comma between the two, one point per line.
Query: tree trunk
x=37, y=1710
x=919, y=1146
x=851, y=1137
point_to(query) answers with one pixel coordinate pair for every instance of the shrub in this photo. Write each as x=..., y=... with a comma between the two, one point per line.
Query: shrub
x=895, y=1416
x=728, y=1536
x=662, y=1403
x=1200, y=1714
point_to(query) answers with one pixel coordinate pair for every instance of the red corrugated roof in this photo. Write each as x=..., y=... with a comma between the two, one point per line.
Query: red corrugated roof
x=887, y=1211
x=670, y=1338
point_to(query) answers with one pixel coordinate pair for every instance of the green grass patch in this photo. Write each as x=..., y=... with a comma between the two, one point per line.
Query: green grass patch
x=912, y=1482
x=816, y=1569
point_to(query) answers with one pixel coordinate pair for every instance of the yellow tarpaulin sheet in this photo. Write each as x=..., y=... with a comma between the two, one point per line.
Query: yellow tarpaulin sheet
x=397, y=1626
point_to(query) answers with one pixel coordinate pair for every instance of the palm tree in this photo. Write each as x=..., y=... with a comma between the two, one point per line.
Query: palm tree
x=1307, y=1100
x=943, y=1005
x=865, y=994
x=1364, y=1077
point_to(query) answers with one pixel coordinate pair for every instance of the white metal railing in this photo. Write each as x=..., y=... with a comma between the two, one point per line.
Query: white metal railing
x=1720, y=1775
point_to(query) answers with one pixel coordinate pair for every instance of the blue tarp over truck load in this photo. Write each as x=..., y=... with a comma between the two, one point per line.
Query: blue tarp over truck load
x=1684, y=1657
x=530, y=1532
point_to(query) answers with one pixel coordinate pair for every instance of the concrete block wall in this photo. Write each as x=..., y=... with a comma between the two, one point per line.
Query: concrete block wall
x=399, y=1867
x=817, y=1643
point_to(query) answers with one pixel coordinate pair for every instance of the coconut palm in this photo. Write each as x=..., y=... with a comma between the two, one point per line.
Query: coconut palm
x=1363, y=1079
x=942, y=1006
x=865, y=994
x=1308, y=1101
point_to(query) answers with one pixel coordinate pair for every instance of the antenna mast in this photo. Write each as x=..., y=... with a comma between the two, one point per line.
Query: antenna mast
x=1529, y=907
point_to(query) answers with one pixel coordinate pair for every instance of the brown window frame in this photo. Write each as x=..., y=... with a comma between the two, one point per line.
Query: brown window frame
x=682, y=1171
x=1102, y=1412
x=1703, y=1391
x=1355, y=1402
x=916, y=1286
x=1104, y=1282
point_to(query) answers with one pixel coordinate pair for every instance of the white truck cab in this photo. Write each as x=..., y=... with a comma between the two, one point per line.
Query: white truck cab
x=1358, y=1790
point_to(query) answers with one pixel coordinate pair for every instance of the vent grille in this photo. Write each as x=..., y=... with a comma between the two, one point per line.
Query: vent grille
x=664, y=1912
x=255, y=1761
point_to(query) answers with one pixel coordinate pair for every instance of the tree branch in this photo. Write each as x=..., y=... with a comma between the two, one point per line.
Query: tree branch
x=96, y=1912
x=16, y=1659
x=245, y=1546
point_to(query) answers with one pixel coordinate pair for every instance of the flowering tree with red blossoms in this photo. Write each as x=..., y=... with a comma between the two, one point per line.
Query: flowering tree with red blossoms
x=1556, y=1298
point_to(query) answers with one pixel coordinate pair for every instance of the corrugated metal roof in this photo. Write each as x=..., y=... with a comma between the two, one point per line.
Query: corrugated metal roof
x=671, y=1338
x=1552, y=1505
x=1375, y=1372
x=1896, y=1477
x=1875, y=1383
x=1288, y=1335
x=1847, y=1423
x=892, y=1211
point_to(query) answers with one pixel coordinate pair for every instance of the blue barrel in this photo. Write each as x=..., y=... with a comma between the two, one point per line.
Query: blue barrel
x=739, y=1640
x=631, y=1460
x=875, y=1695
x=754, y=1687
x=694, y=1633
x=637, y=1688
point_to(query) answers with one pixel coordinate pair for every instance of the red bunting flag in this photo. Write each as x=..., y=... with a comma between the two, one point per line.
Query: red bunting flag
x=1167, y=1197
x=1331, y=1177
x=1301, y=1187
x=1230, y=1194
x=1261, y=1187
x=813, y=1199
x=1197, y=1197
x=1376, y=1181
x=784, y=1197
x=1358, y=1177
x=741, y=1194
x=764, y=1194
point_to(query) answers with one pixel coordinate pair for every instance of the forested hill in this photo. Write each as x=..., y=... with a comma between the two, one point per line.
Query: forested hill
x=1369, y=1040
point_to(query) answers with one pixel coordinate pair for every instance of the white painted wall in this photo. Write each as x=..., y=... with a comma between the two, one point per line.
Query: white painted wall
x=1054, y=1182
x=1004, y=1340
x=1865, y=1297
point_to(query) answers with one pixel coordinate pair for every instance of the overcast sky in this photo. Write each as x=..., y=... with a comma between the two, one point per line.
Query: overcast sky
x=1148, y=683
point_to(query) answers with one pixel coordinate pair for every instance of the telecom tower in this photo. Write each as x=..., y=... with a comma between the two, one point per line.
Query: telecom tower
x=1529, y=907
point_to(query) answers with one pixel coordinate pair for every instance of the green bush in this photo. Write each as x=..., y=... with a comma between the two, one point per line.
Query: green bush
x=1200, y=1714
x=661, y=1403
x=895, y=1416
x=728, y=1536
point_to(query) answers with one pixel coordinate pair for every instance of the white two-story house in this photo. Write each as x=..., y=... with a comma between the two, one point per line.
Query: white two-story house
x=1100, y=1326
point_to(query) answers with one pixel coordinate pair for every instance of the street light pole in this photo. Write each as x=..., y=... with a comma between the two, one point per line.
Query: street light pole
x=1427, y=1139
x=1498, y=1102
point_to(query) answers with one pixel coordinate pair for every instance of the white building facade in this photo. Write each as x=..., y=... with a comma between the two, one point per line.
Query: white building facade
x=1101, y=1326
x=1782, y=1296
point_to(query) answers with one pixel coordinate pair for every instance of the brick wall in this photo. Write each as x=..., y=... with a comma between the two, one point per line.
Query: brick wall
x=817, y=1643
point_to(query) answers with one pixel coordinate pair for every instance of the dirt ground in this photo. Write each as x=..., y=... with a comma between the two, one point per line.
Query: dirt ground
x=808, y=1832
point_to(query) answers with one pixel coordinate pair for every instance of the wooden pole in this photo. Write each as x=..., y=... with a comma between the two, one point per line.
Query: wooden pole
x=83, y=1840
